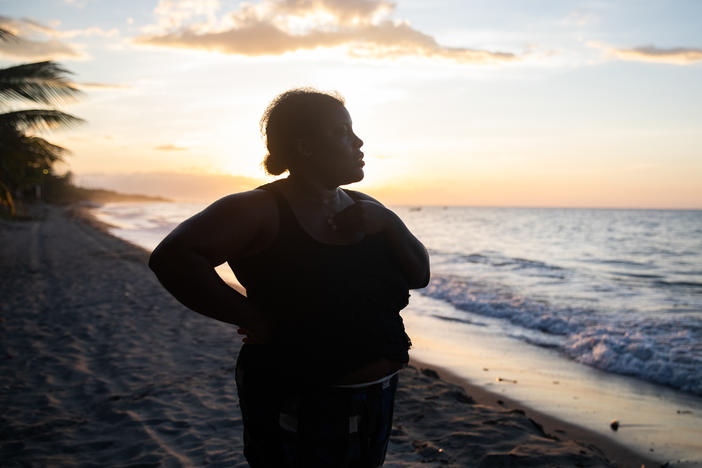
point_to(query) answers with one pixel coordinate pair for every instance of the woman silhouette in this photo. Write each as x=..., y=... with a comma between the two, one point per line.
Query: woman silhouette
x=326, y=272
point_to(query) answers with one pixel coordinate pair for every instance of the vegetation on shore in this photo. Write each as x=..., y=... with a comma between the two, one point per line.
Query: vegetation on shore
x=60, y=190
x=26, y=159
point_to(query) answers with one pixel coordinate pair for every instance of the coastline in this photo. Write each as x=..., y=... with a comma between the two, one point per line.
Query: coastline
x=443, y=421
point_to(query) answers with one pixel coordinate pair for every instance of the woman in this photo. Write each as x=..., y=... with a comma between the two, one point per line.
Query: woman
x=326, y=272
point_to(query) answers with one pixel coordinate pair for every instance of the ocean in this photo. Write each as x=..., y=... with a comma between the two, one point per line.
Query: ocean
x=603, y=305
x=620, y=290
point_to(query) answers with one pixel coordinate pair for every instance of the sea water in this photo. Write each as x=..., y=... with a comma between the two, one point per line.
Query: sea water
x=620, y=290
x=611, y=289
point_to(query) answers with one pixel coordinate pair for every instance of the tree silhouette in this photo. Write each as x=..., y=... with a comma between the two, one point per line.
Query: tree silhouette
x=24, y=157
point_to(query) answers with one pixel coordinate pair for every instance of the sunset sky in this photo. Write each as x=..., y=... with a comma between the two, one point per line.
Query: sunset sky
x=517, y=103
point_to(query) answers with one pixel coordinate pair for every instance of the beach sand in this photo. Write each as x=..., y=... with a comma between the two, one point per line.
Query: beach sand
x=102, y=367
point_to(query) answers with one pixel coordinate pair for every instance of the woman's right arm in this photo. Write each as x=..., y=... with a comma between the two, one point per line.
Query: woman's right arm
x=184, y=261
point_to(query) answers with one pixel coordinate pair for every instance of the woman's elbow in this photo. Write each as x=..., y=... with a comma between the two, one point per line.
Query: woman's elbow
x=159, y=258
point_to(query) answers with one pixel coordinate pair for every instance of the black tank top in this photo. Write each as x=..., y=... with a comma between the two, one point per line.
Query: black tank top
x=335, y=307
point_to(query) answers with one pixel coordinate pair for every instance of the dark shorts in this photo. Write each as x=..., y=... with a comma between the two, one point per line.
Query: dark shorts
x=317, y=427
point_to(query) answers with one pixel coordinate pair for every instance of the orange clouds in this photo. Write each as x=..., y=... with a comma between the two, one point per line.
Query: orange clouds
x=651, y=53
x=35, y=41
x=676, y=56
x=170, y=147
x=21, y=48
x=94, y=85
x=275, y=27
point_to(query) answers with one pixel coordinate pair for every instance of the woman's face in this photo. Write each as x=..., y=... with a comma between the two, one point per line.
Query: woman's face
x=335, y=154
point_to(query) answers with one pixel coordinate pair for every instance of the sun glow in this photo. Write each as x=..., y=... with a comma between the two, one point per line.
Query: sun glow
x=380, y=171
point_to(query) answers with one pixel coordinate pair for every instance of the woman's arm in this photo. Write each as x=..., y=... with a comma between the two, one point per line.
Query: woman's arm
x=184, y=261
x=370, y=216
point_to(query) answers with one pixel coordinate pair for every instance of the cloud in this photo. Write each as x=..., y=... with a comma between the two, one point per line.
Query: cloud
x=340, y=11
x=275, y=27
x=39, y=50
x=172, y=14
x=28, y=26
x=35, y=41
x=87, y=32
x=94, y=85
x=170, y=147
x=651, y=53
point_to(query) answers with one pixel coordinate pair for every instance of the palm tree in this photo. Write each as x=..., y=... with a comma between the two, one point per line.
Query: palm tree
x=26, y=158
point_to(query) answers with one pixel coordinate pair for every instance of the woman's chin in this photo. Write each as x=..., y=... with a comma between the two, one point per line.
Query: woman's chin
x=357, y=177
x=349, y=177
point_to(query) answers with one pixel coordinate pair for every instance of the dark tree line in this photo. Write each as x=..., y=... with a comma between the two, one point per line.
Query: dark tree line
x=25, y=158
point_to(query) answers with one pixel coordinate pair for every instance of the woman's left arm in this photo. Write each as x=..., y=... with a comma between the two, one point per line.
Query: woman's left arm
x=370, y=216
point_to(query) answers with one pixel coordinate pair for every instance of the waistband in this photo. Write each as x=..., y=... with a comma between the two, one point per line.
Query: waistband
x=383, y=382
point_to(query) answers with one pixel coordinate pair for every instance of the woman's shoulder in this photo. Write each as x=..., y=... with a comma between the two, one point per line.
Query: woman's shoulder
x=259, y=197
x=255, y=204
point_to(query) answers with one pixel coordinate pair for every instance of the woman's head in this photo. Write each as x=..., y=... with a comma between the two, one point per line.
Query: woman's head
x=310, y=131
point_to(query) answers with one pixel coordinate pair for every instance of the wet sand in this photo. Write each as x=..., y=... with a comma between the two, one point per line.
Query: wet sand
x=101, y=367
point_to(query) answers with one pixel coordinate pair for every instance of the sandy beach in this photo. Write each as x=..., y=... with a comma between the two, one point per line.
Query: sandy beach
x=102, y=367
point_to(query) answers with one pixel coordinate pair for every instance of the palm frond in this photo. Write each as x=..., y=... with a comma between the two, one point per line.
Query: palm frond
x=25, y=159
x=38, y=119
x=43, y=151
x=42, y=82
x=5, y=35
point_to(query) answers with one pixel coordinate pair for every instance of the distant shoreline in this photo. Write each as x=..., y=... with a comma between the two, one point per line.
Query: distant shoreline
x=111, y=196
x=61, y=190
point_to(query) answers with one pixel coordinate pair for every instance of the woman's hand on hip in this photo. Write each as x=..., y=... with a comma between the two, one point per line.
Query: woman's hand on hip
x=259, y=333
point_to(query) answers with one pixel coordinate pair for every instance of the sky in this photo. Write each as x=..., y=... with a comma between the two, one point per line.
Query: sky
x=487, y=103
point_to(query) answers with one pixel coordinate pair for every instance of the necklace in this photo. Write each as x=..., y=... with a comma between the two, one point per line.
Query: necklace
x=327, y=199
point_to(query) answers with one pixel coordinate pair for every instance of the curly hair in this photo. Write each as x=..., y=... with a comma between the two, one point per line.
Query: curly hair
x=291, y=115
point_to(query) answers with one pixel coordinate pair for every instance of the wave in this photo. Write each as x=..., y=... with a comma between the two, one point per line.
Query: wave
x=498, y=260
x=669, y=356
x=684, y=284
x=662, y=349
x=637, y=275
x=459, y=320
x=499, y=302
x=618, y=262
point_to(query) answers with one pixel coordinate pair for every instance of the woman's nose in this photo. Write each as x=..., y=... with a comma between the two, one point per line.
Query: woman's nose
x=359, y=142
